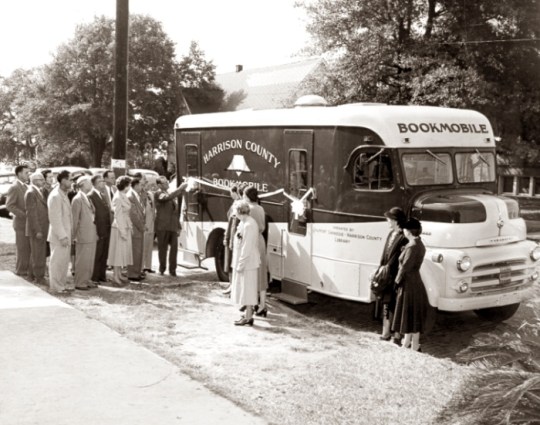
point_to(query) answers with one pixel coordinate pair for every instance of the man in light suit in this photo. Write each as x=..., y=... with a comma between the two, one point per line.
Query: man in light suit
x=37, y=225
x=61, y=225
x=84, y=234
x=103, y=227
x=150, y=216
x=15, y=205
x=136, y=214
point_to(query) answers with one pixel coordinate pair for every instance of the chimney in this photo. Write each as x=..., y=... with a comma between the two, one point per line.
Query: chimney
x=239, y=68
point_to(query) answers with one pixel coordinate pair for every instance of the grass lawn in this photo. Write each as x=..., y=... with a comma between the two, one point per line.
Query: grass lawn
x=289, y=368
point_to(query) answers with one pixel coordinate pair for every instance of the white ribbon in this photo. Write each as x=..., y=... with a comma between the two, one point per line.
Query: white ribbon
x=298, y=206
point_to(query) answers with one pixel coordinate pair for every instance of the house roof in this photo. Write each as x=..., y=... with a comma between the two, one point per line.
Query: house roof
x=269, y=87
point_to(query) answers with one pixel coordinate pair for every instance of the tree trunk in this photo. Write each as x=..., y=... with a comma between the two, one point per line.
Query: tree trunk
x=430, y=18
x=97, y=147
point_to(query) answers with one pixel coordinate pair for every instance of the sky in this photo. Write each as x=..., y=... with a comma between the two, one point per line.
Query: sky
x=253, y=33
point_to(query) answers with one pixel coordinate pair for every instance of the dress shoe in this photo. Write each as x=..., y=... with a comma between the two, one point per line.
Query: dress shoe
x=135, y=279
x=149, y=271
x=262, y=313
x=173, y=274
x=385, y=338
x=82, y=288
x=161, y=272
x=243, y=321
x=226, y=291
x=397, y=341
x=243, y=308
x=93, y=284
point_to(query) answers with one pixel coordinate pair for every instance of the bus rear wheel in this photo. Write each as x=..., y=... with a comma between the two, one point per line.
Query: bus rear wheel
x=498, y=314
x=219, y=260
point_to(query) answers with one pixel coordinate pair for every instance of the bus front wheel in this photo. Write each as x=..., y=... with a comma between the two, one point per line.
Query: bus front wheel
x=219, y=260
x=498, y=314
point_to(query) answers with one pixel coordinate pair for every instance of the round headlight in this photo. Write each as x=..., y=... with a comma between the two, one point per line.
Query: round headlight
x=464, y=263
x=535, y=253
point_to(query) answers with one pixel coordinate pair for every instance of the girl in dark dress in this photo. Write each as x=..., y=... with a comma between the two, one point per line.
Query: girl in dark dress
x=392, y=249
x=411, y=303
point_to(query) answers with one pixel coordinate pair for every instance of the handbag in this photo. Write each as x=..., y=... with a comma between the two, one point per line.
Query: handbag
x=381, y=280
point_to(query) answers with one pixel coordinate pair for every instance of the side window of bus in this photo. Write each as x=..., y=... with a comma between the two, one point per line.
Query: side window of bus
x=298, y=173
x=373, y=171
x=192, y=160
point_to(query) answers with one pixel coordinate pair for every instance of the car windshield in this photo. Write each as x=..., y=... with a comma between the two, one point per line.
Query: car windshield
x=475, y=167
x=428, y=168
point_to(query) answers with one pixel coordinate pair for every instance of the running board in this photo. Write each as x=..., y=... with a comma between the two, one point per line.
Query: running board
x=292, y=293
x=191, y=261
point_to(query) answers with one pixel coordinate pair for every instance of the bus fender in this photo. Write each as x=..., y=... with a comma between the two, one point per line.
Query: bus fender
x=215, y=237
x=434, y=277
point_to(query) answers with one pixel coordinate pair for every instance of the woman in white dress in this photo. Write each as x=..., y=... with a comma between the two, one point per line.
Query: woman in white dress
x=251, y=196
x=120, y=247
x=245, y=263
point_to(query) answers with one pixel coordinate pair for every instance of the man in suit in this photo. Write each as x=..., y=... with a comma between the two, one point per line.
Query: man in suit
x=61, y=225
x=84, y=234
x=37, y=225
x=15, y=205
x=49, y=182
x=167, y=223
x=103, y=227
x=136, y=214
x=109, y=189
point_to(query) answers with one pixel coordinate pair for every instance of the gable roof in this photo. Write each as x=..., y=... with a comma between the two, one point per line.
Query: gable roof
x=269, y=87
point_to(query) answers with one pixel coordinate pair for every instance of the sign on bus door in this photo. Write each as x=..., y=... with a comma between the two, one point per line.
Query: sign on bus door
x=297, y=238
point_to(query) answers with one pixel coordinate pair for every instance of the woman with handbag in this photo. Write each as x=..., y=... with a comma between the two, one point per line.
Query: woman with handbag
x=411, y=303
x=386, y=291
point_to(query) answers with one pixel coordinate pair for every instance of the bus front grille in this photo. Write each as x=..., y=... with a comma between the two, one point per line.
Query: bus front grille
x=503, y=276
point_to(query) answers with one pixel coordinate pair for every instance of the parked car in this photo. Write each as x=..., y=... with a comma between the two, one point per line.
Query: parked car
x=95, y=171
x=6, y=179
x=151, y=175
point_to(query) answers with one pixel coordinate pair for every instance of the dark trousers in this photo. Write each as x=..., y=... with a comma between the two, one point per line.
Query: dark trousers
x=100, y=260
x=23, y=250
x=165, y=239
x=38, y=258
x=135, y=269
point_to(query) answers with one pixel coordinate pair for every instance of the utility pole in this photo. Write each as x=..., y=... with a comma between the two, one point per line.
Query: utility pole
x=120, y=113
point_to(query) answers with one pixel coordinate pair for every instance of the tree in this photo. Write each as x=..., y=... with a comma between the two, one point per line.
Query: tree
x=201, y=92
x=76, y=107
x=479, y=55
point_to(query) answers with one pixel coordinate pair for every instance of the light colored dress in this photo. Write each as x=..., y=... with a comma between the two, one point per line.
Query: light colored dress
x=258, y=214
x=245, y=262
x=120, y=249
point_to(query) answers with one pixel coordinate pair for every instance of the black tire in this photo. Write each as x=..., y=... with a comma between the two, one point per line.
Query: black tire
x=219, y=260
x=498, y=314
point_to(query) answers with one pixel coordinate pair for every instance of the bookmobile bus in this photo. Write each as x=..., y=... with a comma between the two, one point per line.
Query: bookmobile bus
x=326, y=175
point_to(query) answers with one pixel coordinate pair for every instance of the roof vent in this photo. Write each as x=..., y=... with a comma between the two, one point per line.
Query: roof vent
x=310, y=100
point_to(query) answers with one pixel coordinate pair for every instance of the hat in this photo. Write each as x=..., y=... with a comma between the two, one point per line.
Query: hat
x=412, y=224
x=397, y=214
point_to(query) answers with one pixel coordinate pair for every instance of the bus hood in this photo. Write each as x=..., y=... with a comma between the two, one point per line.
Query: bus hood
x=467, y=220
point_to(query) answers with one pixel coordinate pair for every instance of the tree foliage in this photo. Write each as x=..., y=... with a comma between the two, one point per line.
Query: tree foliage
x=69, y=103
x=483, y=55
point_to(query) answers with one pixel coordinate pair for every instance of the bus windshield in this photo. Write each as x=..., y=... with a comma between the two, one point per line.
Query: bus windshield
x=475, y=167
x=428, y=168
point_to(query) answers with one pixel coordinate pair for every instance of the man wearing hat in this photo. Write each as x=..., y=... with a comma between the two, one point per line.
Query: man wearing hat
x=84, y=234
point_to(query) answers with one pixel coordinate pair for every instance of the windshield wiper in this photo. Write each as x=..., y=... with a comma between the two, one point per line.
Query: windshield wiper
x=484, y=160
x=435, y=156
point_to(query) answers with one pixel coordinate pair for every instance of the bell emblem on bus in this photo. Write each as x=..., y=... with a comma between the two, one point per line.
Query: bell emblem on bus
x=239, y=165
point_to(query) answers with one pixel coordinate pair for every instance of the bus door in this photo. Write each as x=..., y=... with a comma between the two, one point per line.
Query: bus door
x=189, y=161
x=297, y=236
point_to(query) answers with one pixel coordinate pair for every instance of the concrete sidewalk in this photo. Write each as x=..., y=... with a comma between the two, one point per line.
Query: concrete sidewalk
x=59, y=367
